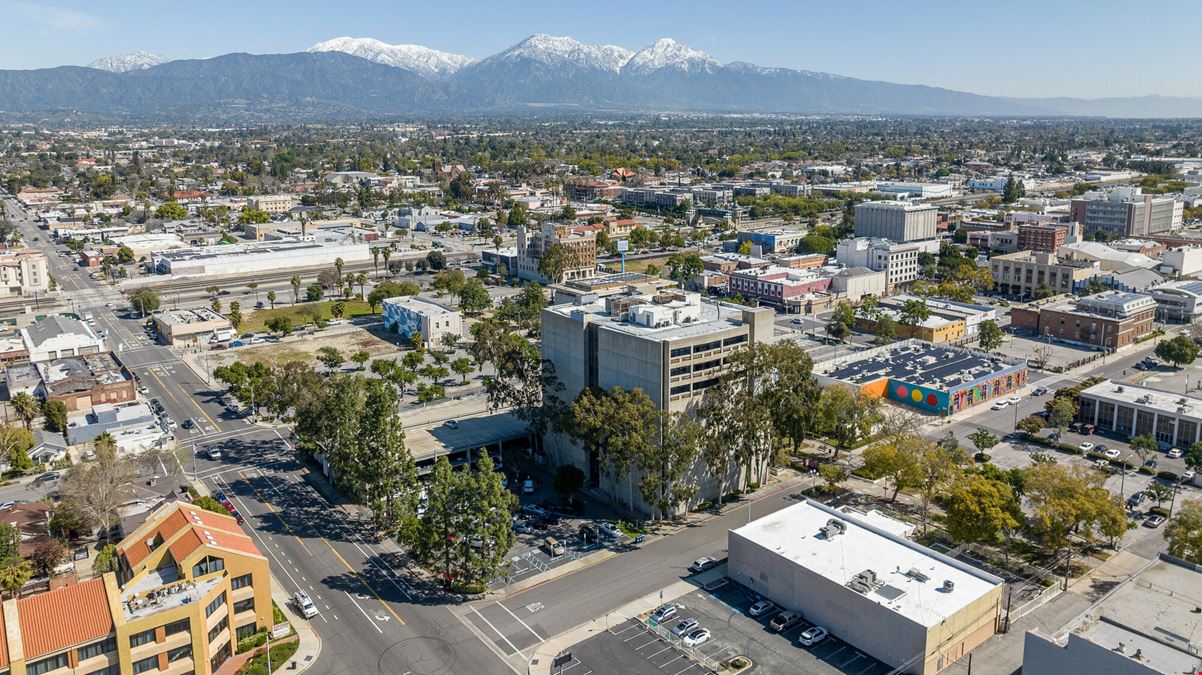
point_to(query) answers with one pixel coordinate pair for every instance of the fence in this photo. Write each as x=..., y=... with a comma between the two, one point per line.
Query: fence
x=692, y=653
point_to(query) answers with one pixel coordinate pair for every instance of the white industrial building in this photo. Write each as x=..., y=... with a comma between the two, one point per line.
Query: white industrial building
x=57, y=337
x=909, y=607
x=256, y=258
x=407, y=315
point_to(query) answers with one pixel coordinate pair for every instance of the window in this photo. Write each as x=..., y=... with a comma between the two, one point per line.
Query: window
x=96, y=649
x=679, y=389
x=215, y=605
x=181, y=626
x=114, y=669
x=736, y=340
x=244, y=605
x=681, y=351
x=216, y=630
x=48, y=664
x=208, y=565
x=146, y=665
x=179, y=653
x=708, y=346
x=246, y=631
x=680, y=370
x=143, y=638
x=240, y=582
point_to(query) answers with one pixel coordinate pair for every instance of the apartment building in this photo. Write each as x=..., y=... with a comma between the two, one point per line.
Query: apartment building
x=1019, y=274
x=271, y=204
x=1042, y=237
x=406, y=315
x=670, y=344
x=189, y=584
x=899, y=261
x=775, y=285
x=1125, y=212
x=23, y=273
x=581, y=246
x=896, y=221
x=1112, y=319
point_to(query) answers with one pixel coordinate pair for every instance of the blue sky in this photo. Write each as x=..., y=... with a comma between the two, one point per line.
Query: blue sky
x=1009, y=47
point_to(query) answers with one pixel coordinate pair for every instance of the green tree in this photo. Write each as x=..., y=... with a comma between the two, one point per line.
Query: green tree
x=886, y=330
x=897, y=462
x=1062, y=412
x=361, y=357
x=436, y=260
x=1184, y=532
x=295, y=281
x=525, y=308
x=106, y=560
x=387, y=476
x=448, y=281
x=1143, y=446
x=684, y=266
x=314, y=292
x=462, y=367
x=937, y=468
x=26, y=407
x=833, y=475
x=250, y=216
x=1042, y=291
x=914, y=312
x=980, y=510
x=569, y=479
x=55, y=414
x=99, y=488
x=210, y=504
x=1031, y=424
x=473, y=297
x=1179, y=350
x=280, y=325
x=15, y=443
x=555, y=261
x=271, y=298
x=171, y=211
x=846, y=417
x=14, y=574
x=990, y=336
x=983, y=440
x=125, y=255
x=1066, y=500
x=234, y=316
x=330, y=357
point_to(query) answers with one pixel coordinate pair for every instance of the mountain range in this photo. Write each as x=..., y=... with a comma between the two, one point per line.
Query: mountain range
x=352, y=78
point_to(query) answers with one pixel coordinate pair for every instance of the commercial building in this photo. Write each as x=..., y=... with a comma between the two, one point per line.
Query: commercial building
x=23, y=273
x=592, y=190
x=971, y=314
x=1131, y=410
x=779, y=286
x=899, y=261
x=1181, y=261
x=1178, y=301
x=600, y=287
x=580, y=248
x=664, y=198
x=728, y=262
x=189, y=325
x=856, y=282
x=896, y=221
x=937, y=328
x=58, y=336
x=938, y=379
x=271, y=204
x=1019, y=274
x=256, y=258
x=80, y=382
x=189, y=584
x=897, y=601
x=406, y=315
x=1147, y=625
x=771, y=241
x=1108, y=259
x=1126, y=212
x=133, y=425
x=1110, y=320
x=1042, y=237
x=911, y=190
x=671, y=344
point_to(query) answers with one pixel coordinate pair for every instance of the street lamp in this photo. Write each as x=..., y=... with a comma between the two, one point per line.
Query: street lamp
x=1123, y=480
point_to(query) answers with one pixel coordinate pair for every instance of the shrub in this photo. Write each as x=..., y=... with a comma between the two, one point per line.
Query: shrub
x=1145, y=470
x=466, y=588
x=279, y=656
x=981, y=457
x=252, y=641
x=1167, y=475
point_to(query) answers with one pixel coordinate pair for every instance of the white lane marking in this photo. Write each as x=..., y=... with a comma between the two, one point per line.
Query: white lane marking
x=647, y=643
x=524, y=624
x=674, y=661
x=494, y=628
x=373, y=623
x=661, y=652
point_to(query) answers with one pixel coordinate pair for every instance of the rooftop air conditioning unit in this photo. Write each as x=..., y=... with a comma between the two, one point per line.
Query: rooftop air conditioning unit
x=917, y=575
x=867, y=576
x=948, y=585
x=859, y=587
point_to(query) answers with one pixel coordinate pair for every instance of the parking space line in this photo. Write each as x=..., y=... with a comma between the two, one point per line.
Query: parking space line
x=869, y=667
x=631, y=627
x=666, y=648
x=634, y=636
x=494, y=628
x=647, y=643
x=678, y=657
x=691, y=666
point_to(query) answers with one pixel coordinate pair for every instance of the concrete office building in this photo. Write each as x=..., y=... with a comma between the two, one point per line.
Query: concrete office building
x=1178, y=301
x=406, y=315
x=670, y=344
x=581, y=250
x=1019, y=274
x=1111, y=320
x=936, y=378
x=909, y=607
x=1126, y=212
x=188, y=585
x=1181, y=261
x=896, y=221
x=271, y=204
x=1131, y=410
x=1149, y=624
x=899, y=261
x=23, y=273
x=176, y=326
x=856, y=282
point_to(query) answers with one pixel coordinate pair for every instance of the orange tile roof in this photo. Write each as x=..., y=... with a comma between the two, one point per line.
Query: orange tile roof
x=187, y=543
x=182, y=516
x=55, y=620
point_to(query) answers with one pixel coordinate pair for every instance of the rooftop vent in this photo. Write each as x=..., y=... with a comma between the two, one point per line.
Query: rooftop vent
x=917, y=575
x=859, y=586
x=833, y=528
x=867, y=576
x=948, y=585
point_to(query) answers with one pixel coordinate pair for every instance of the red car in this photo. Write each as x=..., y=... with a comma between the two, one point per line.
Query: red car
x=218, y=347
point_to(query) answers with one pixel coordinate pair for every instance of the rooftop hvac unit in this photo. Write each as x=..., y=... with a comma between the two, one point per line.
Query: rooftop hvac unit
x=867, y=576
x=917, y=575
x=948, y=585
x=859, y=586
x=833, y=528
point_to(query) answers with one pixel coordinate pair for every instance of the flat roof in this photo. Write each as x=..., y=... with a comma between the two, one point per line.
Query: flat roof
x=714, y=317
x=179, y=317
x=916, y=362
x=900, y=565
x=604, y=281
x=1135, y=395
x=419, y=305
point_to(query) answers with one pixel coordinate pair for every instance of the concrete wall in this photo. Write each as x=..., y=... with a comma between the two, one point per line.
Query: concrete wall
x=1079, y=656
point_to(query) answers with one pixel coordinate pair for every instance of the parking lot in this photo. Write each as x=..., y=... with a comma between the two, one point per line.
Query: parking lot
x=635, y=647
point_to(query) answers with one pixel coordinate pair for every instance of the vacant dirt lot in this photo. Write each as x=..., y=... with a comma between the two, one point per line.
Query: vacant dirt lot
x=347, y=340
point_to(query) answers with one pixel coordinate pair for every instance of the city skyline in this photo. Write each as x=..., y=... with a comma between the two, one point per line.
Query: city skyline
x=1008, y=54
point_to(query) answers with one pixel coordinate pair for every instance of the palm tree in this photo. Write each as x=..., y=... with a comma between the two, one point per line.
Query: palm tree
x=338, y=265
x=14, y=574
x=26, y=406
x=375, y=259
x=296, y=284
x=271, y=298
x=387, y=253
x=254, y=286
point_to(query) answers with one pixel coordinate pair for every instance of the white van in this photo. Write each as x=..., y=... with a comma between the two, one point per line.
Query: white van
x=223, y=335
x=304, y=605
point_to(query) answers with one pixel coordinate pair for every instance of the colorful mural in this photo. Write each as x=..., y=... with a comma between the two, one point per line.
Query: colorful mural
x=975, y=393
x=919, y=397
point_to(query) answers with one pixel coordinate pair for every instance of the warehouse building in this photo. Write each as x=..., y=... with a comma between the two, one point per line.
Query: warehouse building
x=406, y=315
x=183, y=325
x=938, y=379
x=904, y=604
x=256, y=258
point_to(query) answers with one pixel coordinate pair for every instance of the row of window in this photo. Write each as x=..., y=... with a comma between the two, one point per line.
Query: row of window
x=208, y=565
x=217, y=603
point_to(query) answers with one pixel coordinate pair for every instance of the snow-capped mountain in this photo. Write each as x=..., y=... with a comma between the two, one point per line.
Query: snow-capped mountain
x=123, y=63
x=424, y=61
x=551, y=50
x=668, y=53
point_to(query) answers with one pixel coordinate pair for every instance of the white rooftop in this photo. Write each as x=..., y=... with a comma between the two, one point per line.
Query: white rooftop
x=796, y=534
x=1134, y=395
x=416, y=304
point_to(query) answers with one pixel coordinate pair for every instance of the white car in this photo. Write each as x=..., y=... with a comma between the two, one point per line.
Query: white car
x=1187, y=475
x=1086, y=446
x=304, y=605
x=1112, y=453
x=696, y=637
x=1175, y=453
x=812, y=636
x=1000, y=405
x=611, y=530
x=761, y=608
x=1014, y=400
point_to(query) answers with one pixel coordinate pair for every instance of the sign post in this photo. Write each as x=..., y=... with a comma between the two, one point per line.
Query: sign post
x=623, y=246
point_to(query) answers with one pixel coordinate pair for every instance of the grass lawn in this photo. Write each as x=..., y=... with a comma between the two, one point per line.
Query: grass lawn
x=301, y=313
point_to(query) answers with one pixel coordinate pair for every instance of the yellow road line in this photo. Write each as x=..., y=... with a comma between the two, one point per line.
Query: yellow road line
x=187, y=397
x=275, y=513
x=363, y=581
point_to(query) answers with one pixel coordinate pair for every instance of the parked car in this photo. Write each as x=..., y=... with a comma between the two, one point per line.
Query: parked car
x=1152, y=464
x=588, y=534
x=1154, y=521
x=696, y=637
x=304, y=605
x=237, y=343
x=218, y=347
x=1174, y=453
x=1187, y=475
x=169, y=422
x=528, y=486
x=451, y=424
x=1000, y=405
x=534, y=510
x=702, y=564
x=1039, y=391
x=784, y=621
x=1111, y=453
x=664, y=613
x=522, y=527
x=812, y=636
x=685, y=626
x=1086, y=446
x=761, y=608
x=48, y=476
x=611, y=530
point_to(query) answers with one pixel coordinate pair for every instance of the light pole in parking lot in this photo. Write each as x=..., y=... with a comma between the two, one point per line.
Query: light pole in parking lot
x=1123, y=480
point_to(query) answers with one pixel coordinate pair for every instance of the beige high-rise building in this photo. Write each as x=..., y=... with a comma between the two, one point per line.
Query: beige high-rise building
x=581, y=247
x=23, y=273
